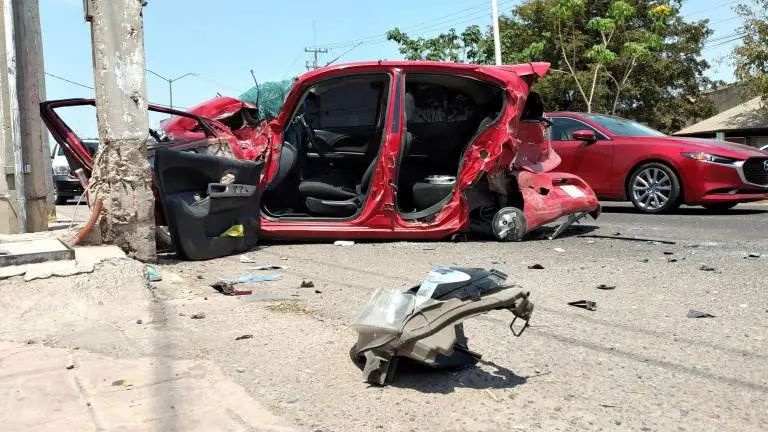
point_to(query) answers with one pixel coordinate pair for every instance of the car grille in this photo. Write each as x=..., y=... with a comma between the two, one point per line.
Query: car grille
x=756, y=171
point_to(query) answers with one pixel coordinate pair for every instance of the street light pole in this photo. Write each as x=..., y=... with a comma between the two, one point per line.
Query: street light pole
x=170, y=84
x=496, y=37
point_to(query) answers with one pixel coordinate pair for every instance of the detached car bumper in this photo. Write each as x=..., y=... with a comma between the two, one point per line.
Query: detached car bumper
x=711, y=183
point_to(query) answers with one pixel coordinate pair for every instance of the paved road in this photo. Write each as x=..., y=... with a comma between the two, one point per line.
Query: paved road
x=743, y=225
x=636, y=363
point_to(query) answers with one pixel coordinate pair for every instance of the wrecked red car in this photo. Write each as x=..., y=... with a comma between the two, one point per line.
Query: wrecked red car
x=375, y=150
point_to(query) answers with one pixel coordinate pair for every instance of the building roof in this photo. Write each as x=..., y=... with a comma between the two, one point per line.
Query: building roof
x=748, y=115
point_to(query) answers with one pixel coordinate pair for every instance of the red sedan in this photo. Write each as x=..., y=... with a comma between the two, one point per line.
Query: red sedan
x=374, y=150
x=624, y=160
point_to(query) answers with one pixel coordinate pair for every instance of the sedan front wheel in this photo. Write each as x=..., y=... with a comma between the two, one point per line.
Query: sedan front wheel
x=654, y=188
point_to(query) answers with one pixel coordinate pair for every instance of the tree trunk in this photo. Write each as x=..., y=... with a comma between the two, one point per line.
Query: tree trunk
x=122, y=178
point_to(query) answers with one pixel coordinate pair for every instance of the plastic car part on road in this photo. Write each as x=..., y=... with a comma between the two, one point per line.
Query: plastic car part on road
x=425, y=323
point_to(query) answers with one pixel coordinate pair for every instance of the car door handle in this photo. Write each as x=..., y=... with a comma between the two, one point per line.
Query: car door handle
x=220, y=190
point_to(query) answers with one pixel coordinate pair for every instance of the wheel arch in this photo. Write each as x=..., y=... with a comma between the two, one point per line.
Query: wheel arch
x=659, y=160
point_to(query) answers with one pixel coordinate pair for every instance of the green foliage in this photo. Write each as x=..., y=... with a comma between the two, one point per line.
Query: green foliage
x=750, y=58
x=603, y=25
x=566, y=9
x=655, y=73
x=621, y=12
x=601, y=54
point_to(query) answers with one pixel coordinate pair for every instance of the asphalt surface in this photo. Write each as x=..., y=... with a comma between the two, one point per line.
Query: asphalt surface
x=635, y=363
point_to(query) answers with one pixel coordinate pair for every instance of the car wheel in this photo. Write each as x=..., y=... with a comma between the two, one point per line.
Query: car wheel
x=654, y=188
x=58, y=199
x=719, y=207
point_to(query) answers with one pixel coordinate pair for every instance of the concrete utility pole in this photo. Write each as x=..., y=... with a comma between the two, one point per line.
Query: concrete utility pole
x=170, y=84
x=122, y=178
x=496, y=37
x=315, y=52
x=27, y=190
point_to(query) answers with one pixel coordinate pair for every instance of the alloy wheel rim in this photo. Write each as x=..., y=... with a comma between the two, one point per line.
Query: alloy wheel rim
x=652, y=188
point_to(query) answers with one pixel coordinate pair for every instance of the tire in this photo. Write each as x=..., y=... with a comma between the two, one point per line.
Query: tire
x=719, y=207
x=58, y=199
x=654, y=188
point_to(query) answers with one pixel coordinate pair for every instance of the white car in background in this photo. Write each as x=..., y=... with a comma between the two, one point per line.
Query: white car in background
x=65, y=184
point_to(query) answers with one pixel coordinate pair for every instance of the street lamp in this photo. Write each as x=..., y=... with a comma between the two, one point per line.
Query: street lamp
x=170, y=84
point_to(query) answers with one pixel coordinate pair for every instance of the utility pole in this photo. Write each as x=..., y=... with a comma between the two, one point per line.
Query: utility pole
x=170, y=84
x=315, y=51
x=122, y=177
x=496, y=37
x=27, y=188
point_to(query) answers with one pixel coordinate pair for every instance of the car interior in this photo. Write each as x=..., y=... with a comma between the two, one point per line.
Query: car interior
x=331, y=145
x=444, y=114
x=330, y=149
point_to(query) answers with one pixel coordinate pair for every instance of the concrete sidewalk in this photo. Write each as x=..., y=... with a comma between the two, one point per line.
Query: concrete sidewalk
x=53, y=389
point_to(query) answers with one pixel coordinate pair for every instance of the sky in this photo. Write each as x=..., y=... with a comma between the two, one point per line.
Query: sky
x=222, y=41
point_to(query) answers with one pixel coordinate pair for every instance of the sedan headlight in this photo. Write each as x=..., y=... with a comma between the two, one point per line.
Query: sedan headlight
x=706, y=157
x=61, y=170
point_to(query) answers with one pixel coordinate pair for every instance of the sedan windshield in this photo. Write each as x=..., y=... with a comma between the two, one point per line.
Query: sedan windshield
x=623, y=127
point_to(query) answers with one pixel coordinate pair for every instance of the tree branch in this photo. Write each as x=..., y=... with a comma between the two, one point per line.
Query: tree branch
x=567, y=63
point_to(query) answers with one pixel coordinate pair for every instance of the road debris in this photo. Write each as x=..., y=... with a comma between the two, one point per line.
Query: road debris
x=307, y=284
x=70, y=366
x=606, y=287
x=416, y=332
x=536, y=267
x=671, y=260
x=266, y=267
x=584, y=304
x=138, y=321
x=638, y=239
x=491, y=395
x=318, y=291
x=645, y=260
x=153, y=275
x=668, y=253
x=245, y=259
x=199, y=315
x=696, y=314
x=229, y=287
x=753, y=255
x=234, y=231
x=561, y=250
x=708, y=268
x=343, y=243
x=240, y=370
x=288, y=307
x=245, y=336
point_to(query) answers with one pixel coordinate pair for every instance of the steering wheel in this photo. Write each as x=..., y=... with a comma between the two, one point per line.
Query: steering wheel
x=320, y=148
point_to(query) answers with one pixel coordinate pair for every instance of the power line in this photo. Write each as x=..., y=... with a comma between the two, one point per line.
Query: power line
x=450, y=19
x=216, y=83
x=69, y=81
x=713, y=8
x=725, y=42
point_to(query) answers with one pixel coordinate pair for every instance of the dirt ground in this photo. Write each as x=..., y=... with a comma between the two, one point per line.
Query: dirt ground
x=636, y=363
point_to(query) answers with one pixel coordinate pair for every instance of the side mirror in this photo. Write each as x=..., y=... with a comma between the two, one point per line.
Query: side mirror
x=584, y=135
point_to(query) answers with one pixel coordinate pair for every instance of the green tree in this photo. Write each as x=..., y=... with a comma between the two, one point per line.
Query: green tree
x=634, y=58
x=750, y=57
